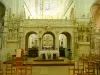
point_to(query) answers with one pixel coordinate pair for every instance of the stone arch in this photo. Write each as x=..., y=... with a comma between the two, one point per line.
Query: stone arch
x=27, y=37
x=64, y=51
x=51, y=33
x=68, y=35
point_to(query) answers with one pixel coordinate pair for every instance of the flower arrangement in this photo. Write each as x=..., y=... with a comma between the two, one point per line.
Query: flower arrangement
x=49, y=55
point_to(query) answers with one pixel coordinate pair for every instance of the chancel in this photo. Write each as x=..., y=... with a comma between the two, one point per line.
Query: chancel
x=50, y=37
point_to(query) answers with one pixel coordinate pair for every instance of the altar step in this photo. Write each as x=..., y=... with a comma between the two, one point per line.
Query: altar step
x=30, y=61
x=48, y=60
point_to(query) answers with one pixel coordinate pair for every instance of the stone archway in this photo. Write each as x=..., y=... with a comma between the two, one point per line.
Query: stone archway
x=65, y=45
x=33, y=50
x=50, y=41
x=68, y=39
x=27, y=38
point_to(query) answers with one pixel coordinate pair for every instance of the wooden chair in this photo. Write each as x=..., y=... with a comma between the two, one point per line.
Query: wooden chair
x=29, y=69
x=98, y=67
x=9, y=69
x=1, y=70
x=20, y=69
x=78, y=68
x=90, y=68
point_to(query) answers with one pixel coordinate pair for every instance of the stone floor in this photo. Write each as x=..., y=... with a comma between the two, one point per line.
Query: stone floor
x=51, y=70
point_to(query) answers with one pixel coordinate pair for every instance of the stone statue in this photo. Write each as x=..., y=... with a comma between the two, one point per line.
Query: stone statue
x=62, y=43
x=84, y=37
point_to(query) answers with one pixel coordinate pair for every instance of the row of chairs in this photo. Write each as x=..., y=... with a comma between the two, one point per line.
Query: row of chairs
x=16, y=68
x=84, y=66
x=91, y=65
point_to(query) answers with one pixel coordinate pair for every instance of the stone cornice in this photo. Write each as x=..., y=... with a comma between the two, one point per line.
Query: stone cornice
x=47, y=22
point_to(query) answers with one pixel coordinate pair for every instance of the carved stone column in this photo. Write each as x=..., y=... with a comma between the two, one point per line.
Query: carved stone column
x=57, y=41
x=40, y=41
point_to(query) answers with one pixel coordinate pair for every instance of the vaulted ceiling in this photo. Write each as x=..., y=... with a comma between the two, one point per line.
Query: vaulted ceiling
x=44, y=9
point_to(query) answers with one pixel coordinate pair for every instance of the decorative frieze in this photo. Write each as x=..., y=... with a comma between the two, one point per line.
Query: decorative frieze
x=47, y=22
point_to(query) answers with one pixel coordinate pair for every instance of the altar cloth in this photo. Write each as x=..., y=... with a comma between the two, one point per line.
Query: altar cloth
x=48, y=52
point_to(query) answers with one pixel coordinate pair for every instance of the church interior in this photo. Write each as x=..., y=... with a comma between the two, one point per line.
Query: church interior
x=49, y=37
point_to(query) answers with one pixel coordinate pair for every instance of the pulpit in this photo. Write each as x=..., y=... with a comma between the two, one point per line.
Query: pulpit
x=48, y=54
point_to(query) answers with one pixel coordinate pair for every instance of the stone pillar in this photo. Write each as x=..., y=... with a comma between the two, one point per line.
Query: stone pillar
x=72, y=41
x=57, y=41
x=37, y=40
x=40, y=43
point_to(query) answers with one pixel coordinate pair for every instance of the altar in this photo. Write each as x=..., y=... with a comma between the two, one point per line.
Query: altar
x=48, y=54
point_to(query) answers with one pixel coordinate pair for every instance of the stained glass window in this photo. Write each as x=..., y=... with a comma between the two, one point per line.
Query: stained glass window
x=47, y=7
x=41, y=6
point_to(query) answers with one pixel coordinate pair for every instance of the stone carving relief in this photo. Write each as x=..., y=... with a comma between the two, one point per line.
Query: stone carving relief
x=13, y=34
x=13, y=29
x=47, y=27
x=83, y=34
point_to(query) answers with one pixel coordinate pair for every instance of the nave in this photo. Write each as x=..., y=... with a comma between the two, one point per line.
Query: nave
x=86, y=65
x=62, y=37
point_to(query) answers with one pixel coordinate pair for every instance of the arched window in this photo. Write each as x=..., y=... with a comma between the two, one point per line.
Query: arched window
x=48, y=7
